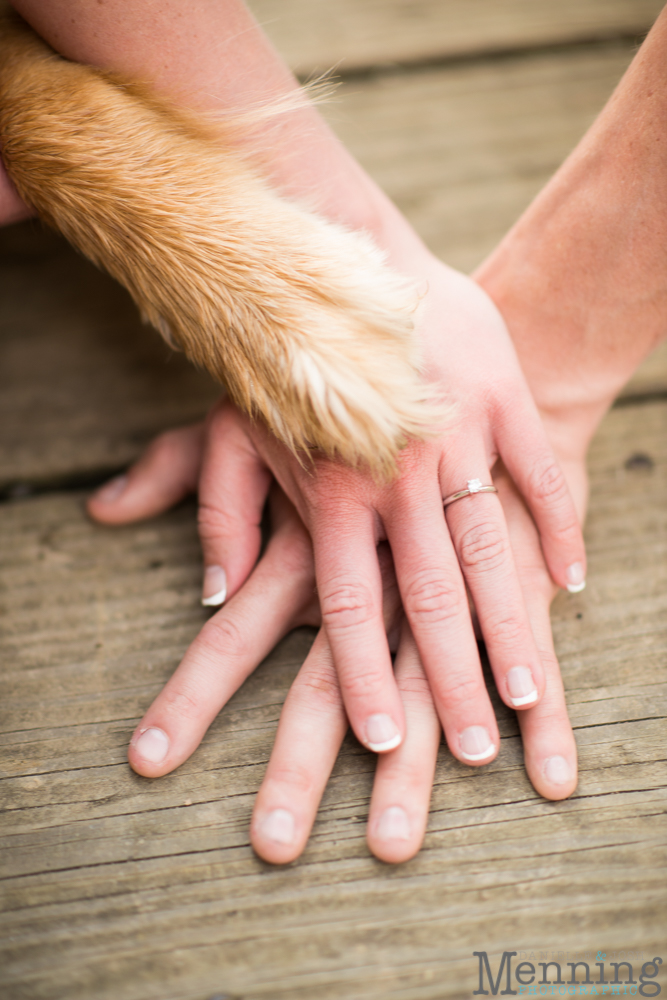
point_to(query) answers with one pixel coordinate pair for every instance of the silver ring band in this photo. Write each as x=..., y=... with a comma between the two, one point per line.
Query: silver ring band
x=474, y=486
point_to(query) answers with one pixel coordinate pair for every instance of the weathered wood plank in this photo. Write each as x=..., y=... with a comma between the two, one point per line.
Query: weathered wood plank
x=83, y=385
x=115, y=886
x=463, y=150
x=314, y=35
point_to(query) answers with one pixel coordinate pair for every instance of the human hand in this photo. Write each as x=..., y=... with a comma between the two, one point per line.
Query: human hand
x=281, y=592
x=313, y=721
x=467, y=349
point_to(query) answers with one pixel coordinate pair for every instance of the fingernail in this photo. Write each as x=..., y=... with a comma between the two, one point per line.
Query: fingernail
x=557, y=770
x=279, y=826
x=111, y=490
x=575, y=578
x=393, y=824
x=381, y=733
x=152, y=745
x=476, y=743
x=521, y=686
x=214, y=590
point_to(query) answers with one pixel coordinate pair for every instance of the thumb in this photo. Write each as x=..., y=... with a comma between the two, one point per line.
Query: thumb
x=165, y=473
x=233, y=487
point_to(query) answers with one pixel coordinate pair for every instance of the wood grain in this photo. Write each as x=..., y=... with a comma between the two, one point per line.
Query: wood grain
x=314, y=35
x=463, y=150
x=83, y=385
x=115, y=886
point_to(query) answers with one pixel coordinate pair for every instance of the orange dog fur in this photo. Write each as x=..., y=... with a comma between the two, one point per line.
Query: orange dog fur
x=300, y=318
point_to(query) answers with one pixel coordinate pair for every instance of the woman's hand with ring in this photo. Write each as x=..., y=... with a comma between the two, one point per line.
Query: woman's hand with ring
x=313, y=723
x=468, y=354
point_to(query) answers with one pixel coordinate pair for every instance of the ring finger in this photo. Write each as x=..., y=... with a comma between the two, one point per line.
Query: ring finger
x=479, y=532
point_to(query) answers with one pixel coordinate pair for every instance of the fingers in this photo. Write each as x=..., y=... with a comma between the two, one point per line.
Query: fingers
x=350, y=591
x=311, y=729
x=310, y=732
x=165, y=473
x=436, y=605
x=225, y=652
x=312, y=726
x=404, y=777
x=530, y=460
x=549, y=748
x=233, y=487
x=482, y=544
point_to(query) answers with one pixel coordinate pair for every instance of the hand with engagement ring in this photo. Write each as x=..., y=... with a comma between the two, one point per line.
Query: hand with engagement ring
x=466, y=354
x=313, y=723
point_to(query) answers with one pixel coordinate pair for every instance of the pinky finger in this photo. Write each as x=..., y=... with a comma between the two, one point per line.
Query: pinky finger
x=310, y=732
x=540, y=480
x=404, y=777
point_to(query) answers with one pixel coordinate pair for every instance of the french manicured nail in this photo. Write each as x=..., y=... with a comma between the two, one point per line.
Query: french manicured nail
x=279, y=826
x=381, y=733
x=152, y=745
x=575, y=578
x=521, y=686
x=476, y=744
x=393, y=824
x=557, y=770
x=214, y=590
x=111, y=490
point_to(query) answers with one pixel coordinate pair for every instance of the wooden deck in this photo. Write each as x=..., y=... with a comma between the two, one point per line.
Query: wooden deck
x=115, y=887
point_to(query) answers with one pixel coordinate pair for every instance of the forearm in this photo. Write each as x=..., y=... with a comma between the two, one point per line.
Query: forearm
x=581, y=280
x=288, y=310
x=213, y=57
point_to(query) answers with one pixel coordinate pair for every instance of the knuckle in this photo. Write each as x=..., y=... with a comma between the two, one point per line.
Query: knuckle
x=224, y=635
x=363, y=683
x=347, y=605
x=181, y=703
x=461, y=688
x=215, y=522
x=482, y=547
x=319, y=687
x=297, y=778
x=507, y=632
x=416, y=688
x=547, y=484
x=431, y=600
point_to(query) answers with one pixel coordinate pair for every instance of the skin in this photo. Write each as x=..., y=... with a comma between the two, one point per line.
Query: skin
x=217, y=59
x=313, y=722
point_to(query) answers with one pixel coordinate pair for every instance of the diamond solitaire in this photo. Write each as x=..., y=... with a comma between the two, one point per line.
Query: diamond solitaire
x=474, y=486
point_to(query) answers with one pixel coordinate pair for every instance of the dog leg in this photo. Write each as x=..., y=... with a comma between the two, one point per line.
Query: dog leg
x=301, y=319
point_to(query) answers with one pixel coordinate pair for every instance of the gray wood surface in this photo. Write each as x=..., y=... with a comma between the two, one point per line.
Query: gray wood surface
x=315, y=35
x=83, y=385
x=114, y=886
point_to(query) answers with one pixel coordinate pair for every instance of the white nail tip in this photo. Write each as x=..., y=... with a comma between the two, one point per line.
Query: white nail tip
x=479, y=756
x=576, y=588
x=527, y=699
x=387, y=745
x=215, y=599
